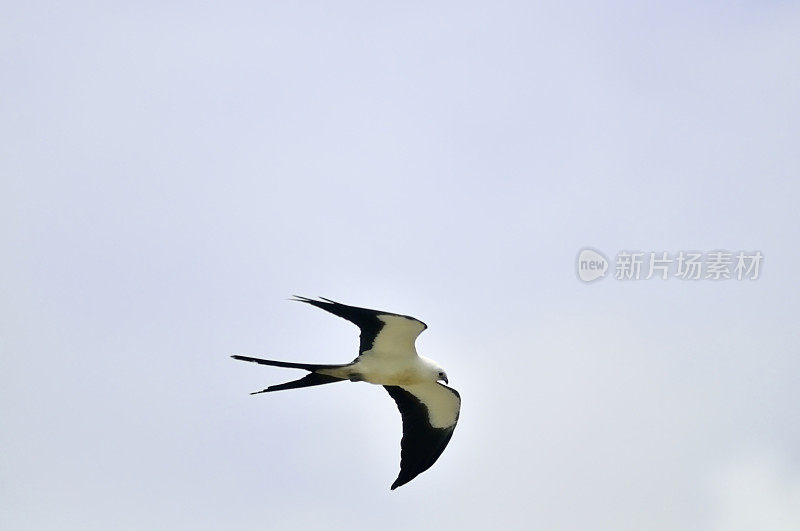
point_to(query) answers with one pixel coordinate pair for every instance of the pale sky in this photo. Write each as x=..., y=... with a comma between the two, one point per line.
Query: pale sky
x=171, y=173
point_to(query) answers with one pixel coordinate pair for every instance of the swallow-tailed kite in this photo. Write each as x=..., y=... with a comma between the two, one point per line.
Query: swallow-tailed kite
x=387, y=357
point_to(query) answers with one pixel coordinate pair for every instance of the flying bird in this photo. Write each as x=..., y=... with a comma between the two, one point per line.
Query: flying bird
x=387, y=357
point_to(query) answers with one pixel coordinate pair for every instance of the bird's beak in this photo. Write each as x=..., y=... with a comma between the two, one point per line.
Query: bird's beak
x=445, y=379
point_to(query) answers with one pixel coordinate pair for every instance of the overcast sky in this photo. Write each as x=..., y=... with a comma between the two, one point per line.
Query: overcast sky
x=172, y=172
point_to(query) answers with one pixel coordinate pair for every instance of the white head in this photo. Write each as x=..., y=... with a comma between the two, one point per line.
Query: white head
x=436, y=372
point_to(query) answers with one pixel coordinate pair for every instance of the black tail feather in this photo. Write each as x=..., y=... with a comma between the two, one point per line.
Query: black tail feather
x=306, y=381
x=288, y=364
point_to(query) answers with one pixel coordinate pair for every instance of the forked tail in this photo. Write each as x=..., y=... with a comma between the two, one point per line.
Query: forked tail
x=307, y=381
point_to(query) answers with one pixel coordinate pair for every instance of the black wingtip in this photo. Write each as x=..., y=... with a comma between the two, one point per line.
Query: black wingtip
x=402, y=480
x=300, y=298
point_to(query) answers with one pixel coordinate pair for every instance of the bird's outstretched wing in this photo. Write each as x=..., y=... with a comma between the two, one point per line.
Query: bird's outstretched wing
x=380, y=331
x=430, y=413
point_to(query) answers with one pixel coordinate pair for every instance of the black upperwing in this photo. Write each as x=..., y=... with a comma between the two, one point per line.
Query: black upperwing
x=423, y=406
x=366, y=319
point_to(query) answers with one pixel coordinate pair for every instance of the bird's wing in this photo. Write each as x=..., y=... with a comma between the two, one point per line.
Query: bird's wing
x=430, y=413
x=382, y=331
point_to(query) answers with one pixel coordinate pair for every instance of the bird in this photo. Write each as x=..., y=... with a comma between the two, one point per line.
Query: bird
x=387, y=356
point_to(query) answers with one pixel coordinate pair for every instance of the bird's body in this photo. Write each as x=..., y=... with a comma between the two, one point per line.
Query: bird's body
x=381, y=370
x=388, y=357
